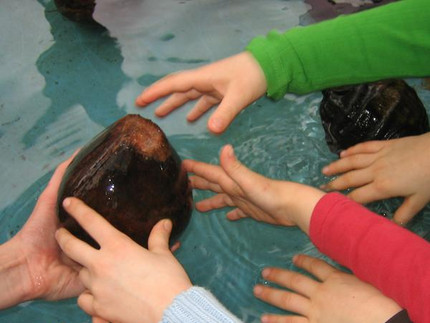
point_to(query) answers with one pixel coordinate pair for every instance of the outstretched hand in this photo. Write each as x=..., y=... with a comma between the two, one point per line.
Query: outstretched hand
x=333, y=297
x=125, y=282
x=383, y=169
x=253, y=195
x=233, y=83
x=32, y=265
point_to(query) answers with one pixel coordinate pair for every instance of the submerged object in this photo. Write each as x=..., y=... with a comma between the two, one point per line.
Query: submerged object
x=372, y=111
x=132, y=176
x=77, y=10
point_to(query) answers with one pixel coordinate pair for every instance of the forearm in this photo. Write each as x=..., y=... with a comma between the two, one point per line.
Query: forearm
x=13, y=276
x=391, y=258
x=390, y=41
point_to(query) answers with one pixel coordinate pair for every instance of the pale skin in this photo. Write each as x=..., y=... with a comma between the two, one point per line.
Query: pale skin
x=124, y=282
x=232, y=83
x=379, y=170
x=32, y=265
x=333, y=296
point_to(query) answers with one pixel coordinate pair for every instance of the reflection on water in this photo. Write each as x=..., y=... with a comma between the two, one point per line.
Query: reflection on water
x=86, y=74
x=83, y=66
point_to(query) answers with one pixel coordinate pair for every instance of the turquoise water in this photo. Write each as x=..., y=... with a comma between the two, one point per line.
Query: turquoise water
x=61, y=83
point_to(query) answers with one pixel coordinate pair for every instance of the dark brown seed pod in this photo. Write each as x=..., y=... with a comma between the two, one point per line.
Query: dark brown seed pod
x=131, y=175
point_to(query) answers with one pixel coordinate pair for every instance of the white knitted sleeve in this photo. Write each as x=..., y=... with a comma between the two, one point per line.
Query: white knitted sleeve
x=197, y=305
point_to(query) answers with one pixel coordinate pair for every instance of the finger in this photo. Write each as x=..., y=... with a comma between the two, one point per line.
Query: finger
x=276, y=318
x=355, y=178
x=202, y=184
x=176, y=100
x=92, y=222
x=317, y=267
x=48, y=198
x=74, y=248
x=241, y=175
x=211, y=173
x=283, y=299
x=291, y=280
x=175, y=82
x=410, y=207
x=98, y=320
x=367, y=147
x=85, y=278
x=236, y=214
x=159, y=237
x=86, y=303
x=175, y=246
x=203, y=105
x=348, y=163
x=218, y=201
x=368, y=193
x=227, y=110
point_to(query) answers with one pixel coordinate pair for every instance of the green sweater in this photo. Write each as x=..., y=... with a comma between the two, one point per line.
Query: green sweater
x=390, y=41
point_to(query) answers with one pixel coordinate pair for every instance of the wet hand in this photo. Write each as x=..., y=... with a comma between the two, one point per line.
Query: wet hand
x=125, y=282
x=379, y=170
x=41, y=270
x=252, y=195
x=333, y=297
x=232, y=83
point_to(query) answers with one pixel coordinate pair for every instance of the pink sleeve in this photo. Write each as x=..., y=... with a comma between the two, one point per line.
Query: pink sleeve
x=378, y=251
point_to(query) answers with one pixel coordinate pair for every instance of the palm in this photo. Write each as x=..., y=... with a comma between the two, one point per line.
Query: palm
x=51, y=276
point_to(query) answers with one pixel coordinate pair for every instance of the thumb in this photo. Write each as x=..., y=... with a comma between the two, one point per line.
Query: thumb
x=243, y=176
x=159, y=237
x=228, y=109
x=410, y=207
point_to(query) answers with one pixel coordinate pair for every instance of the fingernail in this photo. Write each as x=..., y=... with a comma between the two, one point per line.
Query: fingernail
x=216, y=124
x=66, y=202
x=325, y=169
x=266, y=272
x=167, y=225
x=258, y=289
x=264, y=319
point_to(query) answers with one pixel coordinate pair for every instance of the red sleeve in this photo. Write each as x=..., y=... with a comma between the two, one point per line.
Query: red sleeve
x=378, y=251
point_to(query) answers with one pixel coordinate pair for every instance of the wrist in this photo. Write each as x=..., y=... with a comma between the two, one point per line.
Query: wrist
x=301, y=203
x=14, y=276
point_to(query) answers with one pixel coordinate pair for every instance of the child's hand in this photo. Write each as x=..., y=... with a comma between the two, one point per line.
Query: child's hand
x=233, y=83
x=384, y=169
x=125, y=282
x=335, y=297
x=253, y=195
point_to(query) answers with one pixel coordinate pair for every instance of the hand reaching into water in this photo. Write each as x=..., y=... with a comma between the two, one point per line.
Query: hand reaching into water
x=233, y=83
x=253, y=195
x=31, y=263
x=333, y=297
x=384, y=169
x=125, y=282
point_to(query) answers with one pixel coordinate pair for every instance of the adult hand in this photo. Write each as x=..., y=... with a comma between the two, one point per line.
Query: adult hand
x=233, y=83
x=384, y=169
x=335, y=297
x=125, y=282
x=32, y=265
x=253, y=195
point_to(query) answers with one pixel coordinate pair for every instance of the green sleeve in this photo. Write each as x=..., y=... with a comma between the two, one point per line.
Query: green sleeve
x=390, y=41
